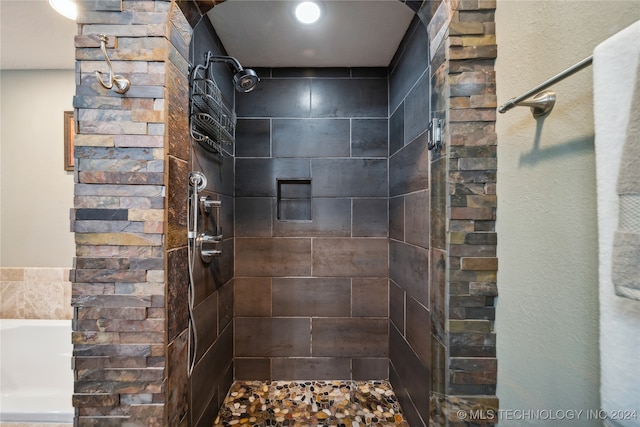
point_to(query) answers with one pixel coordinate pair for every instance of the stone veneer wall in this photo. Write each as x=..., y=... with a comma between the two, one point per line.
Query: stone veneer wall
x=463, y=52
x=123, y=228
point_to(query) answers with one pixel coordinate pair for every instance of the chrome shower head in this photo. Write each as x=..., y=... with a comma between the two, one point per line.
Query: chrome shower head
x=245, y=80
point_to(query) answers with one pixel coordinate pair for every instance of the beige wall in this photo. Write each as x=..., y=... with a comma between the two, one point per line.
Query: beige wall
x=35, y=191
x=547, y=311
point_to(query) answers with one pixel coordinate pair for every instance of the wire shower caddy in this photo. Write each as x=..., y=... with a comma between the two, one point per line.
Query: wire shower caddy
x=212, y=121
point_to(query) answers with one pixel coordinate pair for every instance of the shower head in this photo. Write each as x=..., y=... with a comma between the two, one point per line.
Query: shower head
x=245, y=80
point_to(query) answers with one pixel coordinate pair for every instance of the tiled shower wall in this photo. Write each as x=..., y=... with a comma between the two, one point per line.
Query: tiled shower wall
x=312, y=226
x=35, y=293
x=412, y=305
x=212, y=375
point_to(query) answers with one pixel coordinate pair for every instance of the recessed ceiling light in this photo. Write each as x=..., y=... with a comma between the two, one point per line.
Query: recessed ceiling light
x=308, y=12
x=66, y=8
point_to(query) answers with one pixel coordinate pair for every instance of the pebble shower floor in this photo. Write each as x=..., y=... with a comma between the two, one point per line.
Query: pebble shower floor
x=310, y=404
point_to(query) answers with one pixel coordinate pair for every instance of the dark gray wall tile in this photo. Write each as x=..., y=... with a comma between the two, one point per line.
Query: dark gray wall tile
x=225, y=215
x=416, y=109
x=252, y=369
x=257, y=177
x=350, y=257
x=329, y=217
x=365, y=97
x=225, y=306
x=298, y=210
x=370, y=369
x=310, y=138
x=262, y=72
x=396, y=217
x=273, y=257
x=409, y=168
x=419, y=330
x=350, y=337
x=409, y=411
x=370, y=297
x=396, y=129
x=396, y=306
x=276, y=98
x=409, y=268
x=307, y=297
x=311, y=72
x=413, y=374
x=223, y=388
x=219, y=170
x=272, y=336
x=254, y=216
x=253, y=138
x=252, y=297
x=211, y=276
x=413, y=60
x=369, y=137
x=209, y=371
x=209, y=413
x=311, y=368
x=369, y=72
x=349, y=177
x=370, y=218
x=417, y=218
x=206, y=320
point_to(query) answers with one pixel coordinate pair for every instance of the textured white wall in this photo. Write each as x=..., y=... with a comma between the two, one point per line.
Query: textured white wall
x=35, y=191
x=547, y=311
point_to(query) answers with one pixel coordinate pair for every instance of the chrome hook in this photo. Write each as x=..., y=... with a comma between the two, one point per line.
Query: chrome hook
x=118, y=83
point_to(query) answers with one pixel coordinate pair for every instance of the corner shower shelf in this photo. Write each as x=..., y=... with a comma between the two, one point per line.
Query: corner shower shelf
x=212, y=121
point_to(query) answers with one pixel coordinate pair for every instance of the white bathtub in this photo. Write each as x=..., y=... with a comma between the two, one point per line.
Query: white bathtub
x=36, y=380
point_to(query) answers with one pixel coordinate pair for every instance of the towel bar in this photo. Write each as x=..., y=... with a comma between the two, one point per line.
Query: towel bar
x=543, y=102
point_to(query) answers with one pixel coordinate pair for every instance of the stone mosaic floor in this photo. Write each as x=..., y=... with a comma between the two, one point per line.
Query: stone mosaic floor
x=310, y=404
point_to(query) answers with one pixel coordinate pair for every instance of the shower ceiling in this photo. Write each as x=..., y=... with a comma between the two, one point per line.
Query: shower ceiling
x=353, y=33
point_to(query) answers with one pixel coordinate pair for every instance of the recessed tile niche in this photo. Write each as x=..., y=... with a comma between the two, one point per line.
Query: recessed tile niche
x=294, y=199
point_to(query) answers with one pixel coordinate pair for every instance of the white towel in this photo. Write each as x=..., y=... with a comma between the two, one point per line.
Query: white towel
x=616, y=62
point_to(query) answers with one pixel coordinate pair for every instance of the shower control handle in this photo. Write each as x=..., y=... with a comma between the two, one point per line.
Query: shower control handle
x=207, y=203
x=205, y=239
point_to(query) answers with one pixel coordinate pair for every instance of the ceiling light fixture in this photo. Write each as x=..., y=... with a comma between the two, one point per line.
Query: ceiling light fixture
x=308, y=12
x=66, y=8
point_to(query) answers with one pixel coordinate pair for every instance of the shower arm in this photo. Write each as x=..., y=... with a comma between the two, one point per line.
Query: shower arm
x=227, y=59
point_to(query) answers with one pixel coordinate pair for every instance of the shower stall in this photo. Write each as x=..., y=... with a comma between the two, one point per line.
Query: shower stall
x=317, y=240
x=309, y=170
